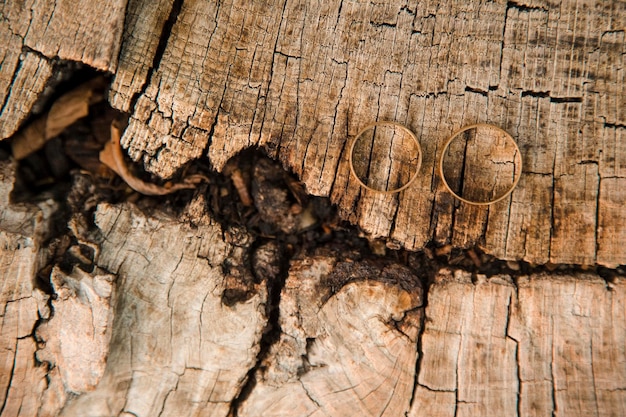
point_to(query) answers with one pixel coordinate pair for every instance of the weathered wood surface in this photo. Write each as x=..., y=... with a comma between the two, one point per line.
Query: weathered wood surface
x=351, y=335
x=299, y=79
x=169, y=320
x=352, y=353
x=38, y=36
x=539, y=345
x=22, y=383
x=143, y=28
x=154, y=310
x=176, y=349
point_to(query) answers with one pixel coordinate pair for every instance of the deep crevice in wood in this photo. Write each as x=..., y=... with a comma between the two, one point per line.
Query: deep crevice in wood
x=484, y=93
x=525, y=8
x=271, y=333
x=420, y=352
x=553, y=99
x=614, y=125
x=12, y=82
x=11, y=374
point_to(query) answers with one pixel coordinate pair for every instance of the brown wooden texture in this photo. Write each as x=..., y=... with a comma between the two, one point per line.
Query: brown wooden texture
x=143, y=27
x=23, y=383
x=38, y=35
x=536, y=346
x=300, y=79
x=351, y=335
x=176, y=349
x=170, y=319
x=352, y=353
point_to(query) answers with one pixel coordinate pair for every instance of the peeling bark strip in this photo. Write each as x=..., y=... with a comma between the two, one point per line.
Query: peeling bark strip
x=300, y=79
x=36, y=34
x=113, y=157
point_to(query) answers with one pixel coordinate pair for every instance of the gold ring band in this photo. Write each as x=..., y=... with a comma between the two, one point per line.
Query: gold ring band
x=517, y=157
x=404, y=129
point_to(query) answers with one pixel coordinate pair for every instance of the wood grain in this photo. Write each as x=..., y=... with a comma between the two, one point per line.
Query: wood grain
x=351, y=334
x=175, y=349
x=143, y=26
x=23, y=381
x=171, y=321
x=300, y=80
x=534, y=346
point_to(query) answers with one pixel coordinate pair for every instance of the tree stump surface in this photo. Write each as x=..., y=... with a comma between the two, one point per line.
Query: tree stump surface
x=123, y=310
x=153, y=328
x=536, y=343
x=300, y=80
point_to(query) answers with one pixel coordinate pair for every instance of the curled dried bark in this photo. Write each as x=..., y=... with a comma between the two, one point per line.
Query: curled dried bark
x=113, y=157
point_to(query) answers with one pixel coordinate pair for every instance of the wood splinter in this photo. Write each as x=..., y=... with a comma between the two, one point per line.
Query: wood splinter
x=113, y=157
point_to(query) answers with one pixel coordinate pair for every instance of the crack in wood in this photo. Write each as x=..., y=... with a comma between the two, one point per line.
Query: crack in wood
x=270, y=334
x=525, y=8
x=553, y=99
x=9, y=385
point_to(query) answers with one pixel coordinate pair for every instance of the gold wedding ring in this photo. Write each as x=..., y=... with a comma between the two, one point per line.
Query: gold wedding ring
x=504, y=146
x=394, y=167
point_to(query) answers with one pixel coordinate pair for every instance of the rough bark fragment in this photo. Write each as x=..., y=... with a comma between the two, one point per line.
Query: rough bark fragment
x=340, y=355
x=302, y=79
x=35, y=32
x=549, y=345
x=77, y=337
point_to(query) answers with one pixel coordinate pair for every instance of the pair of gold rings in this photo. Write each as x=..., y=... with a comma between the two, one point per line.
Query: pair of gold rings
x=480, y=164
